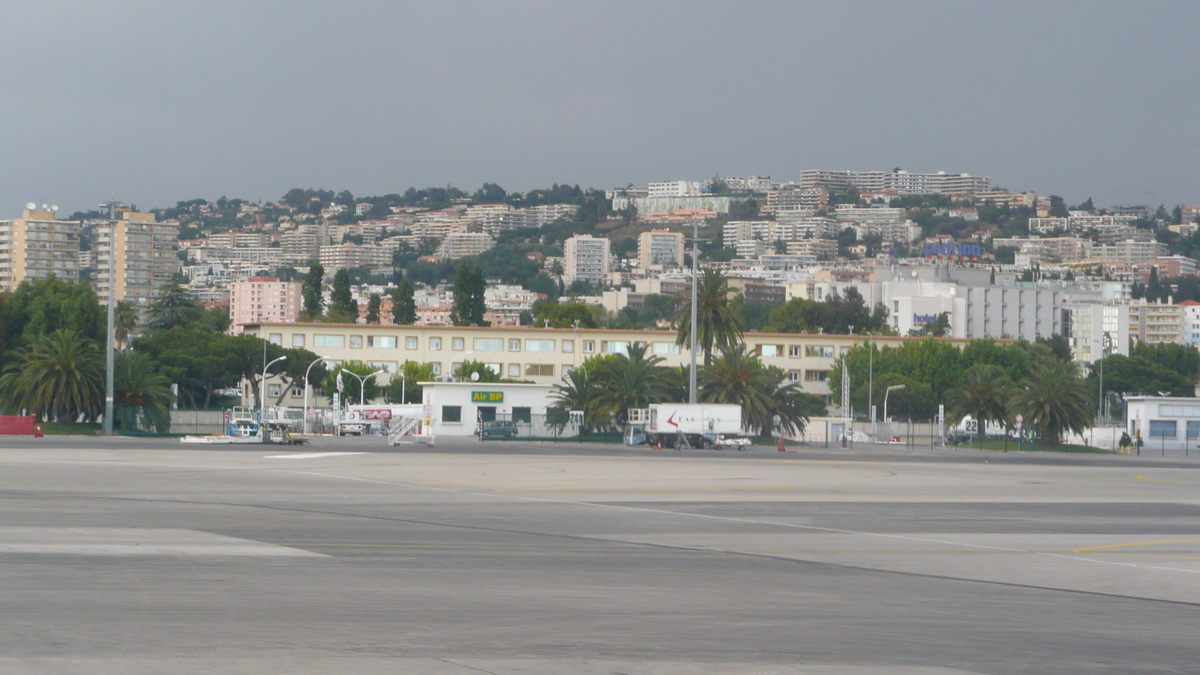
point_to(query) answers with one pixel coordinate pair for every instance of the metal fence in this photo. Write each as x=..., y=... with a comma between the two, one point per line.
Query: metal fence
x=135, y=421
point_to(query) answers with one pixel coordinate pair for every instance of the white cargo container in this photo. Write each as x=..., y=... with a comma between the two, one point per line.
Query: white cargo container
x=699, y=419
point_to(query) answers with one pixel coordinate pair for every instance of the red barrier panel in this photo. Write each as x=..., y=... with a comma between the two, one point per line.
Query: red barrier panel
x=14, y=425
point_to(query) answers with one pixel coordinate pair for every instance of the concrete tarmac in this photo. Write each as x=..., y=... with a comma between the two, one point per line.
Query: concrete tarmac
x=139, y=555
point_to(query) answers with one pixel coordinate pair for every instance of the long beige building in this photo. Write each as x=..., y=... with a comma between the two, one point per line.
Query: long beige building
x=545, y=355
x=38, y=245
x=143, y=253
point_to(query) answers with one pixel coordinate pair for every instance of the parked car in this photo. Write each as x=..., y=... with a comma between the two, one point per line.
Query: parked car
x=504, y=428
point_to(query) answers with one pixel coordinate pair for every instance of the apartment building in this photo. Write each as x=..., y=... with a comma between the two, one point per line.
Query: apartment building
x=336, y=257
x=1191, y=322
x=546, y=355
x=143, y=254
x=1095, y=330
x=239, y=239
x=869, y=214
x=38, y=245
x=1130, y=251
x=1080, y=222
x=1064, y=249
x=587, y=258
x=813, y=198
x=263, y=299
x=660, y=248
x=462, y=244
x=900, y=182
x=1156, y=323
x=820, y=249
x=675, y=188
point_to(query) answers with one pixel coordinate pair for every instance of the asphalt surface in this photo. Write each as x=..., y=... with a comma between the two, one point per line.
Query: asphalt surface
x=146, y=555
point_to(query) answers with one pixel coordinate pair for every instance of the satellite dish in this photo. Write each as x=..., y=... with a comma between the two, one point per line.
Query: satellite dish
x=475, y=376
x=45, y=207
x=54, y=207
x=913, y=273
x=31, y=206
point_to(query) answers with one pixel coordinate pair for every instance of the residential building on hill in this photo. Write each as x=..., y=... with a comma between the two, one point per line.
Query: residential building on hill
x=144, y=253
x=901, y=182
x=588, y=258
x=36, y=246
x=262, y=299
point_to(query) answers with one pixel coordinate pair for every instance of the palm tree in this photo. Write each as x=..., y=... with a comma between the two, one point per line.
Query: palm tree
x=1054, y=400
x=632, y=380
x=60, y=375
x=739, y=377
x=136, y=384
x=720, y=326
x=125, y=321
x=581, y=391
x=982, y=394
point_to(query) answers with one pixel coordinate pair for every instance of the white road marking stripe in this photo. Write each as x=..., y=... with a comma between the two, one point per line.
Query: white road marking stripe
x=314, y=455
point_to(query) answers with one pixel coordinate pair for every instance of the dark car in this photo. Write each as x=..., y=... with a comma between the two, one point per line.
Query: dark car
x=502, y=428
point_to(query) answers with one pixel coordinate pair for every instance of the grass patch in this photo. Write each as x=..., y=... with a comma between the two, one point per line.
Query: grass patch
x=1039, y=447
x=71, y=428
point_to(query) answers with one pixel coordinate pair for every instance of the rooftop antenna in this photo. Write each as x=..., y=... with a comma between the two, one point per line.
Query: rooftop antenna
x=111, y=205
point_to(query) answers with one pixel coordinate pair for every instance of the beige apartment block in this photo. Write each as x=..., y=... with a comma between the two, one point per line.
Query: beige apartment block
x=547, y=355
x=588, y=258
x=135, y=257
x=38, y=245
x=660, y=248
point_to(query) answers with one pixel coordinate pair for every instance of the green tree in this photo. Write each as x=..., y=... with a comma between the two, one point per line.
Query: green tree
x=469, y=287
x=939, y=327
x=314, y=301
x=414, y=373
x=43, y=306
x=632, y=380
x=580, y=390
x=404, y=307
x=468, y=368
x=125, y=321
x=343, y=308
x=718, y=326
x=373, y=304
x=60, y=376
x=1053, y=401
x=565, y=314
x=137, y=383
x=175, y=306
x=983, y=394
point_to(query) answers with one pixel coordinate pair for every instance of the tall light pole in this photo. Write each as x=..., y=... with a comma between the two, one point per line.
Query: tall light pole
x=871, y=392
x=1104, y=341
x=885, y=398
x=262, y=404
x=362, y=384
x=306, y=372
x=695, y=267
x=109, y=336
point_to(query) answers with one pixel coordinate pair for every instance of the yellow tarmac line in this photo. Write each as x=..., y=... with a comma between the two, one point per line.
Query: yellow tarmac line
x=1136, y=543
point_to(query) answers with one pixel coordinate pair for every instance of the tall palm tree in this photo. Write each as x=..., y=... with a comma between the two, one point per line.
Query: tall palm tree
x=1054, y=400
x=61, y=375
x=125, y=321
x=633, y=380
x=720, y=325
x=738, y=376
x=580, y=391
x=983, y=394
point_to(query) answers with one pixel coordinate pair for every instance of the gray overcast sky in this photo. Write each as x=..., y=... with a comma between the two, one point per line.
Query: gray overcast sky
x=155, y=102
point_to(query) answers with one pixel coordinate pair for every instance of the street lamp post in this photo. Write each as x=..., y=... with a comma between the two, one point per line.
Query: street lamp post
x=306, y=372
x=362, y=384
x=695, y=268
x=262, y=404
x=885, y=399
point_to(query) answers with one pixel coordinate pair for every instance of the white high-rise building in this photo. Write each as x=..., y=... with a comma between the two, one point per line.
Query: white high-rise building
x=36, y=246
x=587, y=259
x=145, y=253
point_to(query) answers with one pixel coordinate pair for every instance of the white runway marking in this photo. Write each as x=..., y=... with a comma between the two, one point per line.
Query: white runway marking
x=314, y=455
x=125, y=541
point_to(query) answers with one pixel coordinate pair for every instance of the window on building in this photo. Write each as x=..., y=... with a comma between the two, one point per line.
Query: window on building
x=794, y=351
x=489, y=344
x=616, y=347
x=452, y=413
x=497, y=368
x=568, y=346
x=297, y=392
x=410, y=342
x=356, y=342
x=436, y=367
x=768, y=350
x=1193, y=429
x=1162, y=428
x=589, y=346
x=514, y=345
x=329, y=340
x=381, y=342
x=539, y=369
x=297, y=340
x=816, y=375
x=514, y=370
x=276, y=339
x=522, y=414
x=389, y=366
x=435, y=344
x=819, y=352
x=793, y=376
x=566, y=371
x=458, y=344
x=539, y=345
x=273, y=390
x=666, y=348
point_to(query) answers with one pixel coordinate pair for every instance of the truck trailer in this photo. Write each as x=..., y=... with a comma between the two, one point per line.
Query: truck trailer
x=680, y=425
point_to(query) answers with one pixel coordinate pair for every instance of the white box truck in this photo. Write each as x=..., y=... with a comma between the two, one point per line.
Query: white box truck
x=703, y=425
